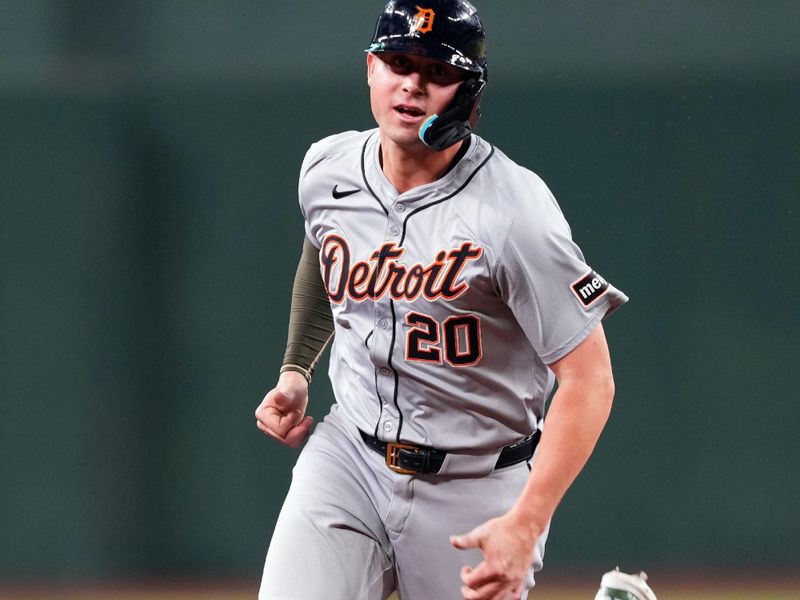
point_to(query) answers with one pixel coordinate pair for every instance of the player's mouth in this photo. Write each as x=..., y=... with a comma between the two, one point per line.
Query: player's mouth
x=409, y=113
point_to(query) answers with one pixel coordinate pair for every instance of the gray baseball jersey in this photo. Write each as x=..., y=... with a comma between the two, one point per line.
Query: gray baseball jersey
x=450, y=300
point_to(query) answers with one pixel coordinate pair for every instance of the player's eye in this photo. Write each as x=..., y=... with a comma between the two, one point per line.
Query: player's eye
x=400, y=63
x=443, y=74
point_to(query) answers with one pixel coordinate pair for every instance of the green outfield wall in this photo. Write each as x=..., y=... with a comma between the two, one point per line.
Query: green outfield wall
x=149, y=232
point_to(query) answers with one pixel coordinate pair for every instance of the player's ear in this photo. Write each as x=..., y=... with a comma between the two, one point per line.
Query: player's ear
x=371, y=58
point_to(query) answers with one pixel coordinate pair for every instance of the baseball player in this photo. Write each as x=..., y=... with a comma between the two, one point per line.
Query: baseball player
x=447, y=277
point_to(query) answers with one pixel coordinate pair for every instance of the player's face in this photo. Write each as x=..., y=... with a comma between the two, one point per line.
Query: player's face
x=406, y=89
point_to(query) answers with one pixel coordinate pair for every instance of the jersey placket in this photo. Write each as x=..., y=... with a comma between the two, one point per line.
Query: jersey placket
x=383, y=340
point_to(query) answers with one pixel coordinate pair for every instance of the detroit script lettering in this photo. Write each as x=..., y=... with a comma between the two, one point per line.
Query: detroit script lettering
x=381, y=274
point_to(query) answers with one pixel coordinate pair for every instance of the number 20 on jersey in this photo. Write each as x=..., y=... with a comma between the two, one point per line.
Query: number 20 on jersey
x=457, y=340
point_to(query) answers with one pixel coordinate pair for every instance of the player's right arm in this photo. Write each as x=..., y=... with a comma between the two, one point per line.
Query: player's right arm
x=281, y=414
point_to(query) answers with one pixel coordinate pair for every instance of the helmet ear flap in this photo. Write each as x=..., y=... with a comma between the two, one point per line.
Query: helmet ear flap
x=455, y=124
x=475, y=115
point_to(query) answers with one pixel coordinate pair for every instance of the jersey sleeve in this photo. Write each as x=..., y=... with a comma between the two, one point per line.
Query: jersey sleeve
x=317, y=174
x=556, y=297
x=310, y=160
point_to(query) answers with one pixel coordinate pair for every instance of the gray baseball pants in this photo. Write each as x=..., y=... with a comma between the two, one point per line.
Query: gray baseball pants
x=352, y=529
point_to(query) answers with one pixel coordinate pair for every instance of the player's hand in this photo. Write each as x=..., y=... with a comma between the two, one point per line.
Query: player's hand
x=281, y=414
x=507, y=551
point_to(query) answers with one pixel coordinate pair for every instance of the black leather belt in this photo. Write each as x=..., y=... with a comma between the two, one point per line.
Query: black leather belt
x=410, y=459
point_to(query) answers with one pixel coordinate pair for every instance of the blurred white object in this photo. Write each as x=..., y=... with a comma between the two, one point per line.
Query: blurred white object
x=617, y=585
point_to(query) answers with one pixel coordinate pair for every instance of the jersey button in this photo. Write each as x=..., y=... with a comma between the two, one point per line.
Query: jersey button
x=383, y=324
x=395, y=231
x=383, y=371
x=399, y=207
x=388, y=425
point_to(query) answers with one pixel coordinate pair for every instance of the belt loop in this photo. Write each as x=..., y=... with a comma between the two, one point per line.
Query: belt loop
x=426, y=462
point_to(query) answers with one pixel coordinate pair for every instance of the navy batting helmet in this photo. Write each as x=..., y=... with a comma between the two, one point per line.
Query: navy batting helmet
x=445, y=30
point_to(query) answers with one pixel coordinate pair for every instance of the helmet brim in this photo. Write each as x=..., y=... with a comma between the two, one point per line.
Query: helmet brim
x=439, y=51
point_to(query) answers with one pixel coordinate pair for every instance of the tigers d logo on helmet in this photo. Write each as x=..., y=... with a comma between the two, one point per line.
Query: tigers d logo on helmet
x=423, y=20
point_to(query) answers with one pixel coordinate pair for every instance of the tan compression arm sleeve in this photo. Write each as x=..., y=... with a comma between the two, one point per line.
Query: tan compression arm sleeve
x=310, y=319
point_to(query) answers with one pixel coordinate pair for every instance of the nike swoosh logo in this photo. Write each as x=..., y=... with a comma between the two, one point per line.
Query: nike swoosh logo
x=337, y=194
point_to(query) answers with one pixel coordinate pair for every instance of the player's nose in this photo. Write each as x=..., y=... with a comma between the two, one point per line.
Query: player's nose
x=412, y=82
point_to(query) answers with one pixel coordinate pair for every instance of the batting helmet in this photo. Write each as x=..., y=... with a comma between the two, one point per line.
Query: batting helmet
x=445, y=30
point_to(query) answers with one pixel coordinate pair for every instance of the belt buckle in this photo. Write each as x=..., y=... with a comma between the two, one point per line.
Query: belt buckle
x=393, y=455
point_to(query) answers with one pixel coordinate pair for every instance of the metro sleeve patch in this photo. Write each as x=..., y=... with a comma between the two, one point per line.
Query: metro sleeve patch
x=589, y=288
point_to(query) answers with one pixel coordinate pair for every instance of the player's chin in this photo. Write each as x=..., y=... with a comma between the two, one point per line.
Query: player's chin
x=405, y=137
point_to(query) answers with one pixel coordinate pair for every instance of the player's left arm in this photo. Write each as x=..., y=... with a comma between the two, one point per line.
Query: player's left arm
x=576, y=417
